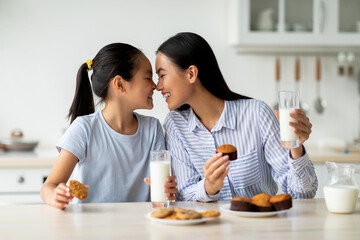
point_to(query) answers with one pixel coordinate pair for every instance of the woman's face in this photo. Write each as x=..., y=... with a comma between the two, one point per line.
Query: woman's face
x=172, y=83
x=141, y=87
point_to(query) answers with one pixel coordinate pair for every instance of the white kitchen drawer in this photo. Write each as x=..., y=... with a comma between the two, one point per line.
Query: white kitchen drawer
x=22, y=180
x=20, y=198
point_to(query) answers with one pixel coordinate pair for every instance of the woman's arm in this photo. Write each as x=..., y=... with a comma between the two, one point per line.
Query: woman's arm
x=292, y=169
x=54, y=191
x=192, y=186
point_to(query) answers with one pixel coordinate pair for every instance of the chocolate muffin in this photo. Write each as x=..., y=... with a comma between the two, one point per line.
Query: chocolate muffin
x=229, y=150
x=281, y=201
x=262, y=205
x=241, y=204
x=263, y=196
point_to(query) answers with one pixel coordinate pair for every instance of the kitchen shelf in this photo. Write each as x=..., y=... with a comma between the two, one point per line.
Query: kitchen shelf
x=316, y=51
x=308, y=27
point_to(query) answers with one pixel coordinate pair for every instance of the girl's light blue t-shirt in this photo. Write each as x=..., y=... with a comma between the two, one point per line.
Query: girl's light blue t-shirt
x=113, y=165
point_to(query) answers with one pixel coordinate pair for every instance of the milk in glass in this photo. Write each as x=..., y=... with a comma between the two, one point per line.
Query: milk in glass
x=160, y=169
x=341, y=198
x=288, y=102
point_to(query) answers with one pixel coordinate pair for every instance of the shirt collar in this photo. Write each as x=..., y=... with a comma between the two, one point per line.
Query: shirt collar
x=193, y=121
x=227, y=118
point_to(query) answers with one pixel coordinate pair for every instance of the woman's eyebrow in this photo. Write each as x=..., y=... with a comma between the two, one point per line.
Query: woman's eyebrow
x=159, y=70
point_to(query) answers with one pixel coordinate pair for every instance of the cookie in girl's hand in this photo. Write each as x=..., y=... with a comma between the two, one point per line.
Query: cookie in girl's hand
x=77, y=189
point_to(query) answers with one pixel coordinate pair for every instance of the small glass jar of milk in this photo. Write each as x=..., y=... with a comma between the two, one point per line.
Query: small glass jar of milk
x=341, y=191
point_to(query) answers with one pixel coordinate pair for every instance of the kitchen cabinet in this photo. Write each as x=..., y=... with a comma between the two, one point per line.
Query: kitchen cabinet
x=313, y=25
x=22, y=174
x=21, y=185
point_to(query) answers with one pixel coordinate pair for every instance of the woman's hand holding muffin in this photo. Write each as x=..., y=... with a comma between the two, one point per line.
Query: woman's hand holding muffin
x=215, y=170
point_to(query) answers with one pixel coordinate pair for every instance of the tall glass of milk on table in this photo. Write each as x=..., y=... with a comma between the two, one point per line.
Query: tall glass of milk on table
x=288, y=102
x=160, y=169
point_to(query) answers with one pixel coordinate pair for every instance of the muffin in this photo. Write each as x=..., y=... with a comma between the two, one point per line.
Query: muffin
x=262, y=205
x=263, y=196
x=281, y=201
x=241, y=204
x=229, y=150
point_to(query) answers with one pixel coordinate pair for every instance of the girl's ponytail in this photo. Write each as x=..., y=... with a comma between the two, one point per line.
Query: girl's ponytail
x=112, y=60
x=83, y=102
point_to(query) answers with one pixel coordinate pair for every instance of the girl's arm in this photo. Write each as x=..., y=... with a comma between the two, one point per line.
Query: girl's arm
x=54, y=191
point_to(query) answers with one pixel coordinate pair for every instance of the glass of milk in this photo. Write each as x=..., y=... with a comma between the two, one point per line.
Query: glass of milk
x=341, y=191
x=160, y=169
x=288, y=102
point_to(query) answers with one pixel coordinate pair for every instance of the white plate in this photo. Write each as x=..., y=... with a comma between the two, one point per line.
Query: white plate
x=179, y=222
x=226, y=208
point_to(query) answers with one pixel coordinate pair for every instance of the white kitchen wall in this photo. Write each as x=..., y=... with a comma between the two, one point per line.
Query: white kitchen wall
x=43, y=42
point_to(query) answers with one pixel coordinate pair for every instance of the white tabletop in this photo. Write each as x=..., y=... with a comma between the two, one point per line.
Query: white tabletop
x=308, y=219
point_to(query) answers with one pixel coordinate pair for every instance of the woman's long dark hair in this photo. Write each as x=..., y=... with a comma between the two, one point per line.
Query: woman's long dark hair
x=112, y=60
x=186, y=49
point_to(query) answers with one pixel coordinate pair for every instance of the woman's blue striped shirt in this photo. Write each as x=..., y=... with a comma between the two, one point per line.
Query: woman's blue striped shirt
x=252, y=127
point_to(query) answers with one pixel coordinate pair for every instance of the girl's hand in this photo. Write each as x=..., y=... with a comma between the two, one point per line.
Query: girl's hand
x=215, y=170
x=170, y=186
x=61, y=196
x=147, y=181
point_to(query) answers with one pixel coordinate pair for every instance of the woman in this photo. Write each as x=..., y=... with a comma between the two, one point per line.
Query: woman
x=205, y=114
x=109, y=149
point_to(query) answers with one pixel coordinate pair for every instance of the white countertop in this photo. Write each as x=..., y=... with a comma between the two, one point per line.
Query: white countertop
x=321, y=155
x=28, y=159
x=308, y=219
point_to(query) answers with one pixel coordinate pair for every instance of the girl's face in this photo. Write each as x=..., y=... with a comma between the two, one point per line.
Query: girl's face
x=172, y=83
x=141, y=87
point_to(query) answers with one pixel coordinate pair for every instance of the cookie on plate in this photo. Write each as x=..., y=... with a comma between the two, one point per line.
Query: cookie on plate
x=210, y=213
x=172, y=216
x=162, y=212
x=188, y=214
x=77, y=189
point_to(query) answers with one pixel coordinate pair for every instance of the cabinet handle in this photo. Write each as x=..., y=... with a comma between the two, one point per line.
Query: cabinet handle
x=21, y=179
x=322, y=16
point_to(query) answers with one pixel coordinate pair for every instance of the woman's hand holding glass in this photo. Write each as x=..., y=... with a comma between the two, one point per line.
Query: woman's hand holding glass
x=215, y=170
x=302, y=129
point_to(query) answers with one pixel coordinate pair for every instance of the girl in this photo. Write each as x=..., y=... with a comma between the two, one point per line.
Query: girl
x=109, y=149
x=206, y=114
